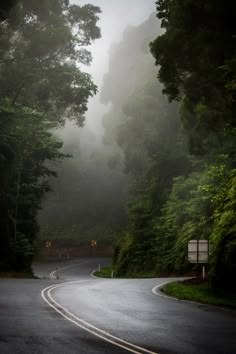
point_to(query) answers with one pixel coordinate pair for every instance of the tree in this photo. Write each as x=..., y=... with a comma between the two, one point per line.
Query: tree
x=223, y=236
x=5, y=8
x=196, y=59
x=146, y=130
x=42, y=85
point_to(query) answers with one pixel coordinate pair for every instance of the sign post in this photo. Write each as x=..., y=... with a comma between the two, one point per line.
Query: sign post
x=198, y=252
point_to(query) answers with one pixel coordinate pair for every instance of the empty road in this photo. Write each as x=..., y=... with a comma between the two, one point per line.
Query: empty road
x=80, y=314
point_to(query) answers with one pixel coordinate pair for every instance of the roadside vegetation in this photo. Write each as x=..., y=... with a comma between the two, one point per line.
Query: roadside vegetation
x=177, y=138
x=192, y=289
x=199, y=292
x=169, y=130
x=106, y=272
x=41, y=86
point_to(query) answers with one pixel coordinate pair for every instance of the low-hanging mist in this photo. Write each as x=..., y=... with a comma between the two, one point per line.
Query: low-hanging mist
x=89, y=196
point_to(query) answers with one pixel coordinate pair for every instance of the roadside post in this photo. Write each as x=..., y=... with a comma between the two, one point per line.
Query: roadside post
x=198, y=253
x=57, y=272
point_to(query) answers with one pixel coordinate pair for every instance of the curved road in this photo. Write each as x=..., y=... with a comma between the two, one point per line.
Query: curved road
x=80, y=314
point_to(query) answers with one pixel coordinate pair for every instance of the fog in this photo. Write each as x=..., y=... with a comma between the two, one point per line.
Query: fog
x=116, y=16
x=89, y=194
x=142, y=167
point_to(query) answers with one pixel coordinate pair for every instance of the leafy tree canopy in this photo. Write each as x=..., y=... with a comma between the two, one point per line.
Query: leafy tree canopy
x=196, y=59
x=42, y=45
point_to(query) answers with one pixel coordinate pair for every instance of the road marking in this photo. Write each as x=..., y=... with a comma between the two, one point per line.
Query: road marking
x=94, y=276
x=79, y=322
x=52, y=274
x=156, y=291
x=201, y=304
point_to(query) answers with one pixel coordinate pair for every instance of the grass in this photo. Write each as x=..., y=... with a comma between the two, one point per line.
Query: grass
x=142, y=275
x=105, y=272
x=198, y=292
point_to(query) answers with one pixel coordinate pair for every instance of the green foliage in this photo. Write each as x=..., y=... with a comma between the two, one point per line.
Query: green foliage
x=198, y=292
x=223, y=236
x=40, y=86
x=24, y=253
x=105, y=272
x=5, y=7
x=174, y=197
x=146, y=129
x=189, y=213
x=196, y=59
x=201, y=204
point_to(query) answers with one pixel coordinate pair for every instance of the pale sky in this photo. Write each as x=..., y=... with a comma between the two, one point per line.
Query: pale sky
x=115, y=17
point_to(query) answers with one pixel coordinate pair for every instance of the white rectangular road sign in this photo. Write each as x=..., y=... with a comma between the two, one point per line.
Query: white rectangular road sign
x=198, y=251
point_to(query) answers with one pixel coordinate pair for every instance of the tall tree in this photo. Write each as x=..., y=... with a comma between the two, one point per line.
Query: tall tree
x=147, y=132
x=41, y=85
x=196, y=59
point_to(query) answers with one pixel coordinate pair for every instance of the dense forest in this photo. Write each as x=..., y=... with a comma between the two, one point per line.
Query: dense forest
x=165, y=172
x=181, y=155
x=41, y=85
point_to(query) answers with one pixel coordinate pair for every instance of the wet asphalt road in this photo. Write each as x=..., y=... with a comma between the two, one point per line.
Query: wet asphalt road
x=123, y=308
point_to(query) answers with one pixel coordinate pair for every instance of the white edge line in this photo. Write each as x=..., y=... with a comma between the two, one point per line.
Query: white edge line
x=81, y=326
x=90, y=325
x=52, y=287
x=156, y=291
x=157, y=288
x=94, y=276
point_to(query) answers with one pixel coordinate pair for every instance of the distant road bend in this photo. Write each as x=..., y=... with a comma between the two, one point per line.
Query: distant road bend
x=80, y=314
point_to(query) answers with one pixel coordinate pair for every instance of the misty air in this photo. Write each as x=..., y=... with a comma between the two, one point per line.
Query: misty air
x=117, y=176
